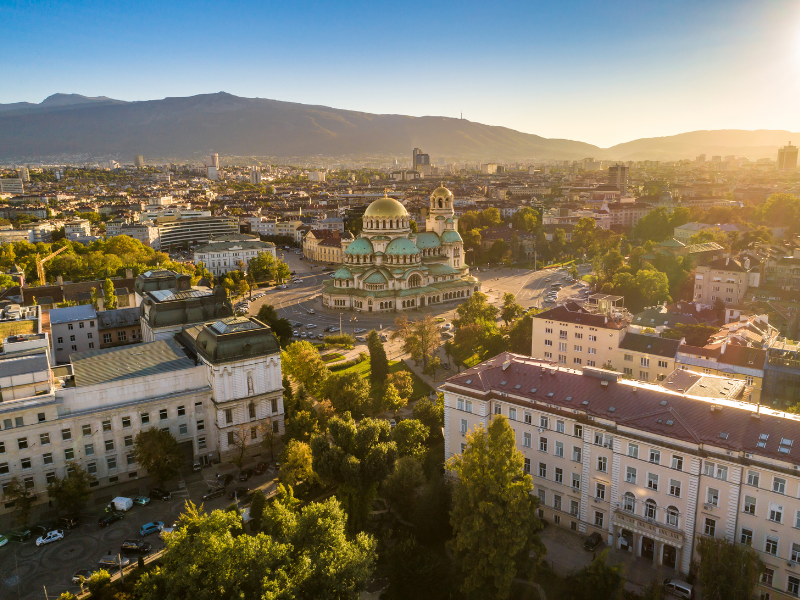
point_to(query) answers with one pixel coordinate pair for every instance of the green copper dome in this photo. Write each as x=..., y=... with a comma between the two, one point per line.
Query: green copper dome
x=376, y=277
x=427, y=239
x=386, y=208
x=343, y=273
x=450, y=237
x=402, y=246
x=361, y=246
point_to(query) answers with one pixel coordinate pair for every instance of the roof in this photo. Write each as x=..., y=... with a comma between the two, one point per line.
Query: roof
x=376, y=277
x=659, y=316
x=402, y=246
x=72, y=313
x=646, y=407
x=725, y=264
x=23, y=365
x=343, y=273
x=128, y=362
x=650, y=344
x=451, y=236
x=118, y=317
x=427, y=239
x=386, y=207
x=360, y=246
x=441, y=192
x=572, y=312
x=708, y=386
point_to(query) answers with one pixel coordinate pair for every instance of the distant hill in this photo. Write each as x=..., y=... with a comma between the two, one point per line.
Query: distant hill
x=763, y=143
x=56, y=100
x=185, y=127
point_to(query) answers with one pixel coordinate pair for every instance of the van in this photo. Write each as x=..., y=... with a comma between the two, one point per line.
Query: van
x=678, y=588
x=122, y=504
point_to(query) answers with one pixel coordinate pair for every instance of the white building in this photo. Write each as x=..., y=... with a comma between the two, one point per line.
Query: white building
x=316, y=176
x=73, y=329
x=11, y=186
x=223, y=256
x=255, y=176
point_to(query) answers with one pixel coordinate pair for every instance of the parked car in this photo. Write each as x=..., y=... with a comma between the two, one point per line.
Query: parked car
x=51, y=537
x=135, y=547
x=320, y=336
x=167, y=530
x=310, y=326
x=214, y=493
x=110, y=518
x=121, y=503
x=681, y=589
x=3, y=540
x=359, y=330
x=160, y=494
x=20, y=535
x=151, y=527
x=69, y=522
x=225, y=480
x=81, y=575
x=240, y=492
x=261, y=468
x=141, y=500
x=245, y=474
x=113, y=561
x=446, y=326
x=303, y=334
x=43, y=529
x=592, y=542
x=297, y=280
x=334, y=329
x=296, y=333
x=361, y=338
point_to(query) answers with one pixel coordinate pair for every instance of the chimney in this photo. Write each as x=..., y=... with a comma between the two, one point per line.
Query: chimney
x=722, y=348
x=59, y=280
x=129, y=273
x=727, y=260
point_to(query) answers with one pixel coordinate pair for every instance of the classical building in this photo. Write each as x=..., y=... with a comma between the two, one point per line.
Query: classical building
x=222, y=256
x=650, y=468
x=389, y=268
x=325, y=245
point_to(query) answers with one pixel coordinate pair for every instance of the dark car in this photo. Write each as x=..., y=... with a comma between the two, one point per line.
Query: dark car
x=135, y=547
x=160, y=494
x=111, y=518
x=226, y=480
x=43, y=529
x=69, y=522
x=21, y=535
x=261, y=468
x=592, y=542
x=83, y=574
x=216, y=492
x=240, y=493
x=245, y=475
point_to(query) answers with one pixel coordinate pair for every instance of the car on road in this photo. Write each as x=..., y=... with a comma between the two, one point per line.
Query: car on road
x=216, y=492
x=282, y=287
x=20, y=535
x=3, y=540
x=310, y=326
x=240, y=492
x=361, y=338
x=333, y=329
x=592, y=542
x=110, y=518
x=48, y=538
x=296, y=324
x=135, y=547
x=81, y=575
x=359, y=330
x=447, y=335
x=151, y=527
x=297, y=280
x=311, y=311
x=261, y=468
x=160, y=494
x=113, y=561
x=446, y=326
x=69, y=522
x=225, y=480
x=303, y=334
x=141, y=500
x=245, y=474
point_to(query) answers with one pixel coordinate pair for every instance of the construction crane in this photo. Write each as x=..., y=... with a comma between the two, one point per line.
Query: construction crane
x=40, y=264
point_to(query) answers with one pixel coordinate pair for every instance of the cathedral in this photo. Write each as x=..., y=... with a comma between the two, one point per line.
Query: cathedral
x=390, y=268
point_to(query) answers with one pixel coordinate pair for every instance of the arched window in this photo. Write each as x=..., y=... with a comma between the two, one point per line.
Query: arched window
x=672, y=516
x=628, y=502
x=650, y=509
x=414, y=281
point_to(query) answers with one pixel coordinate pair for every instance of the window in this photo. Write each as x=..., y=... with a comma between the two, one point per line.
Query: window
x=652, y=481
x=41, y=417
x=675, y=488
x=66, y=434
x=543, y=444
x=44, y=439
x=88, y=449
x=628, y=502
x=50, y=477
x=128, y=441
x=548, y=342
x=672, y=516
x=771, y=545
x=253, y=433
x=181, y=411
x=130, y=459
x=107, y=425
x=677, y=462
x=528, y=418
x=655, y=457
x=22, y=443
x=578, y=336
x=600, y=492
x=628, y=371
x=576, y=454
x=793, y=585
x=121, y=336
x=578, y=348
x=710, y=527
x=650, y=509
x=598, y=438
x=548, y=330
x=86, y=429
x=767, y=575
x=4, y=471
x=228, y=415
x=712, y=497
x=126, y=422
x=556, y=502
x=542, y=469
x=69, y=454
x=106, y=338
x=752, y=478
x=592, y=338
x=60, y=340
x=72, y=339
x=795, y=552
x=25, y=463
x=633, y=450
x=574, y=507
x=746, y=537
x=598, y=518
x=201, y=425
x=145, y=418
x=562, y=346
x=111, y=461
x=526, y=440
x=498, y=409
x=644, y=362
x=630, y=475
x=543, y=422
x=628, y=357
x=231, y=439
x=542, y=495
x=201, y=442
x=779, y=485
x=602, y=464
x=562, y=359
x=163, y=415
x=722, y=472
x=526, y=468
x=576, y=481
x=47, y=458
x=69, y=326
x=562, y=335
x=797, y=519
x=662, y=364
x=463, y=426
x=644, y=375
x=775, y=513
x=559, y=475
x=109, y=445
x=512, y=414
x=275, y=427
x=577, y=430
x=460, y=404
x=750, y=505
x=560, y=426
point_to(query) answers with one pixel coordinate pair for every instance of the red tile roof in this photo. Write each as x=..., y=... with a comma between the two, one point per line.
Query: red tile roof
x=572, y=312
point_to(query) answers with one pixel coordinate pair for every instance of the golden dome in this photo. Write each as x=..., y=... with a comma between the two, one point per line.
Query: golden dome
x=386, y=208
x=442, y=192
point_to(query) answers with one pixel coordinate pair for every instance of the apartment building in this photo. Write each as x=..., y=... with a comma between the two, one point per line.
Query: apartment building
x=570, y=335
x=220, y=257
x=79, y=228
x=214, y=386
x=725, y=279
x=287, y=228
x=728, y=360
x=73, y=329
x=646, y=357
x=325, y=245
x=119, y=327
x=650, y=469
x=174, y=231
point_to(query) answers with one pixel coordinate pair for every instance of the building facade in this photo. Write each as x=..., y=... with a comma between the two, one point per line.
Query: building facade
x=389, y=268
x=73, y=329
x=725, y=279
x=173, y=231
x=326, y=246
x=224, y=256
x=650, y=469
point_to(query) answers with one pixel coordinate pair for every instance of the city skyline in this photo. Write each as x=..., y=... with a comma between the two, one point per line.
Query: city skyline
x=663, y=69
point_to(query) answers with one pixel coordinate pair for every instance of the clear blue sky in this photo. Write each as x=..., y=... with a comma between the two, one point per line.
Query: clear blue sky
x=600, y=72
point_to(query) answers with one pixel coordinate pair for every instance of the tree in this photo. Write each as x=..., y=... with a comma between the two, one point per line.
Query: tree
x=520, y=334
x=420, y=338
x=71, y=492
x=260, y=266
x=511, y=310
x=379, y=364
x=109, y=295
x=410, y=436
x=302, y=362
x=719, y=309
x=392, y=400
x=525, y=219
x=281, y=271
x=401, y=485
x=597, y=581
x=403, y=383
x=413, y=225
x=158, y=452
x=696, y=335
x=299, y=555
x=257, y=507
x=559, y=242
x=282, y=328
x=727, y=570
x=241, y=441
x=434, y=365
x=431, y=414
x=269, y=436
x=241, y=287
x=348, y=392
x=23, y=498
x=356, y=457
x=475, y=308
x=296, y=463
x=491, y=545
x=301, y=426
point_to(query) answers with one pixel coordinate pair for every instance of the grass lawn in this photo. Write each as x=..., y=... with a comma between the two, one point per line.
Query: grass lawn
x=332, y=357
x=363, y=368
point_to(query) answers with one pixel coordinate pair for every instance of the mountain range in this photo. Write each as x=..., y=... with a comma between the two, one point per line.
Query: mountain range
x=71, y=124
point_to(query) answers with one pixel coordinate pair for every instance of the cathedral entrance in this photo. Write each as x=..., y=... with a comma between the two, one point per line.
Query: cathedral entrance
x=422, y=301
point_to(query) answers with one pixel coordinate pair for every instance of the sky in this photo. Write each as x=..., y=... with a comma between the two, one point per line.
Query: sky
x=599, y=72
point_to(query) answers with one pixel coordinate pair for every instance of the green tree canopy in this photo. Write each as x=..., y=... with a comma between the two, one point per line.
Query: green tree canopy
x=302, y=362
x=410, y=436
x=348, y=392
x=379, y=364
x=597, y=581
x=158, y=452
x=72, y=491
x=727, y=570
x=511, y=310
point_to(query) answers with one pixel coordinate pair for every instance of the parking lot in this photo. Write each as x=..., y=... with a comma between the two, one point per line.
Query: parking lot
x=25, y=569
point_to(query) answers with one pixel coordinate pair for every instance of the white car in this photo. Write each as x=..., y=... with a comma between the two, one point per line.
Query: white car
x=359, y=331
x=52, y=536
x=311, y=311
x=310, y=326
x=446, y=326
x=297, y=281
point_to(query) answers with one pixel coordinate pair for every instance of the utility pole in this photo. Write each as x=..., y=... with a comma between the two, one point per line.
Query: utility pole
x=121, y=571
